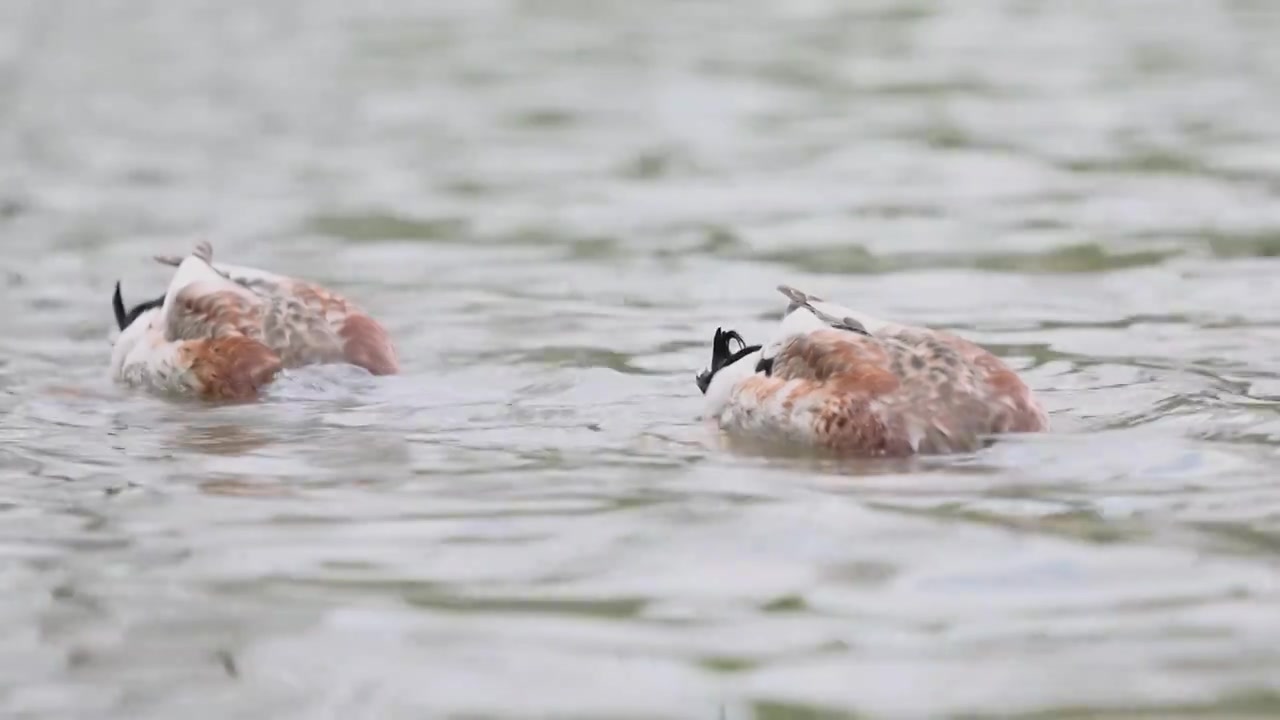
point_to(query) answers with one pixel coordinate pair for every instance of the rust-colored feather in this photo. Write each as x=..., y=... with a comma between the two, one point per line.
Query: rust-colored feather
x=303, y=322
x=201, y=313
x=832, y=382
x=357, y=338
x=365, y=343
x=852, y=360
x=230, y=368
x=225, y=331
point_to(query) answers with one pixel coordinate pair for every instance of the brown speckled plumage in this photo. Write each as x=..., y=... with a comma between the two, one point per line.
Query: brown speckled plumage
x=222, y=332
x=303, y=322
x=858, y=386
x=232, y=367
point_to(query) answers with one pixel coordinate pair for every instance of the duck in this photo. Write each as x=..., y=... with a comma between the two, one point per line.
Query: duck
x=224, y=332
x=841, y=382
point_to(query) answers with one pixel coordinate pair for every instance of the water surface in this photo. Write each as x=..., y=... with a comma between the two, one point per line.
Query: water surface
x=552, y=204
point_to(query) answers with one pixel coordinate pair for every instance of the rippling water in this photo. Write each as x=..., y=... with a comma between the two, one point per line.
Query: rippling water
x=552, y=204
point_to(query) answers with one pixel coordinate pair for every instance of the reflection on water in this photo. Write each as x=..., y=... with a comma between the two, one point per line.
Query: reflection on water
x=552, y=204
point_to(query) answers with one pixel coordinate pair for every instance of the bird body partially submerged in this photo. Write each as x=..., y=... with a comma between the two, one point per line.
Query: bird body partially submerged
x=837, y=380
x=222, y=332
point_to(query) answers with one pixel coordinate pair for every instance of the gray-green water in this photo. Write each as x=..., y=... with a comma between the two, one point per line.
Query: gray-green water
x=552, y=204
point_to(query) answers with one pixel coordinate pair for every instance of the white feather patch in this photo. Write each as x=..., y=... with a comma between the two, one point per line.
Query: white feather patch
x=726, y=380
x=797, y=323
x=191, y=271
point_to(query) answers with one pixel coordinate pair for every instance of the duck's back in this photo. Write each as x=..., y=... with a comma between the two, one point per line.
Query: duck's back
x=303, y=322
x=951, y=394
x=902, y=391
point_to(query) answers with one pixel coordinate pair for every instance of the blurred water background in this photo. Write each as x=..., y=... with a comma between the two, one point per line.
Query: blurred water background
x=552, y=204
